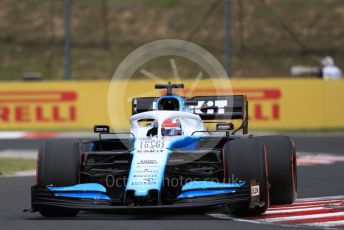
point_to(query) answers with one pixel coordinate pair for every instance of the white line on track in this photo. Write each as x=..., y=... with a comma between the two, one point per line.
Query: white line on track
x=317, y=199
x=303, y=206
x=292, y=210
x=21, y=174
x=16, y=153
x=303, y=217
x=327, y=224
x=11, y=135
x=311, y=212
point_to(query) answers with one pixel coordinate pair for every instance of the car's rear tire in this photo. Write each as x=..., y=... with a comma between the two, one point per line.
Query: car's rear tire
x=282, y=168
x=58, y=164
x=246, y=160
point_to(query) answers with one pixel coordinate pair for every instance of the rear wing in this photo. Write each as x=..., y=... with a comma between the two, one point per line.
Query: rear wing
x=231, y=107
x=220, y=107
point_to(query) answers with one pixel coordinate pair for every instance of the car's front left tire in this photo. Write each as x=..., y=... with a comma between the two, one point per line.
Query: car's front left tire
x=246, y=160
x=282, y=168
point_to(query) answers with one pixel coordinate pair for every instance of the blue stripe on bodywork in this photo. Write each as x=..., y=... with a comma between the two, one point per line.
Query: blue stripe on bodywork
x=208, y=188
x=184, y=143
x=206, y=192
x=210, y=185
x=86, y=191
x=83, y=195
x=87, y=187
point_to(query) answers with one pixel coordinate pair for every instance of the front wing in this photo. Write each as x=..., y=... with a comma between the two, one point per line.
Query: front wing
x=42, y=196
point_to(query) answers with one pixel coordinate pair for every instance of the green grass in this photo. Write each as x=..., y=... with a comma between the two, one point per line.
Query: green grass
x=11, y=165
x=32, y=33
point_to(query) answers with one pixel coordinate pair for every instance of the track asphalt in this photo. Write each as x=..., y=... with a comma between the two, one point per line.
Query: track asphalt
x=314, y=181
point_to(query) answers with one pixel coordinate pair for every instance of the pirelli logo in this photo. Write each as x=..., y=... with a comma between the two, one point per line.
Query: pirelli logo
x=264, y=104
x=38, y=106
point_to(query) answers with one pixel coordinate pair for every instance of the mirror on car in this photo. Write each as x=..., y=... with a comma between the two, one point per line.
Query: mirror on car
x=101, y=129
x=224, y=126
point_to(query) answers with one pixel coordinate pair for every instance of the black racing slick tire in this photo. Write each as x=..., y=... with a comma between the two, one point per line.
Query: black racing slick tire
x=58, y=164
x=282, y=168
x=246, y=160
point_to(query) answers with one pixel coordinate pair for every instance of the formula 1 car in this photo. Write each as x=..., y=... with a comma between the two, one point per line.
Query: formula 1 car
x=168, y=161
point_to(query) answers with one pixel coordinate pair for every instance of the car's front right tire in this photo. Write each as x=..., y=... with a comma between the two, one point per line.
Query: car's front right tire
x=58, y=164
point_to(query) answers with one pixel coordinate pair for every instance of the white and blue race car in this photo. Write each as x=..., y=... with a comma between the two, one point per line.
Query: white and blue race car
x=168, y=161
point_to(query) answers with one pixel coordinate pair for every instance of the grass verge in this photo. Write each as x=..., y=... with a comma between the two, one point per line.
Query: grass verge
x=11, y=165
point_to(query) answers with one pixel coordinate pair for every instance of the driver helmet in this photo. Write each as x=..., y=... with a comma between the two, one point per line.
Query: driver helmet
x=171, y=127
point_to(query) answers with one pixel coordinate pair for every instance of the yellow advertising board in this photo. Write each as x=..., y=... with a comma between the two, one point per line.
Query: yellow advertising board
x=75, y=105
x=52, y=105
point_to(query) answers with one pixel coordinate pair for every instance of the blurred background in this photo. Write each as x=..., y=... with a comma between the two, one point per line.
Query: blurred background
x=57, y=58
x=267, y=37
